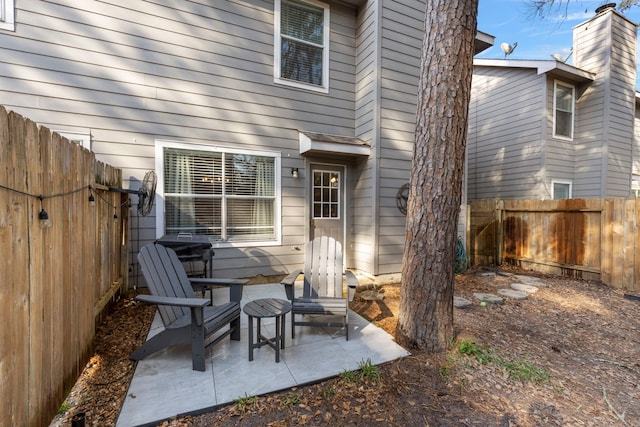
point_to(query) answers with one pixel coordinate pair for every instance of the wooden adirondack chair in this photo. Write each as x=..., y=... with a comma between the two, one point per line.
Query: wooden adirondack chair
x=186, y=318
x=323, y=290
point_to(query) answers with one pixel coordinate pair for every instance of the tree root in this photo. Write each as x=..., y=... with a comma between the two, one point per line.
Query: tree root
x=620, y=416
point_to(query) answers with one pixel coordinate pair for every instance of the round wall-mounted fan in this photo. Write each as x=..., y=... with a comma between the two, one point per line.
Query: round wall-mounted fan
x=146, y=193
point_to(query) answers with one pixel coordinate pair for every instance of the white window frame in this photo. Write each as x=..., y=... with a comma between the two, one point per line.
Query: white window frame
x=159, y=164
x=325, y=50
x=635, y=185
x=557, y=83
x=82, y=139
x=562, y=182
x=7, y=15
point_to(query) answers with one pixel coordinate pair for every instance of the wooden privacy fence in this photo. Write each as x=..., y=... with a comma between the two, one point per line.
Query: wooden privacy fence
x=57, y=274
x=589, y=238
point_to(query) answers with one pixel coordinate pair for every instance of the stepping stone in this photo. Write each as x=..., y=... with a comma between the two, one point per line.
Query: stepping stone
x=487, y=274
x=372, y=295
x=490, y=298
x=511, y=293
x=530, y=280
x=460, y=302
x=505, y=273
x=530, y=289
x=537, y=284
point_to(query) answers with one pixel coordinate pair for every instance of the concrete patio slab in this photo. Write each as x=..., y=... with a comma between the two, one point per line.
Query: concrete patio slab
x=164, y=385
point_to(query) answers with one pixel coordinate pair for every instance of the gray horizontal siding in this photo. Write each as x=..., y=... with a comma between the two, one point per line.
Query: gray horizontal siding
x=606, y=46
x=362, y=231
x=504, y=140
x=129, y=73
x=401, y=42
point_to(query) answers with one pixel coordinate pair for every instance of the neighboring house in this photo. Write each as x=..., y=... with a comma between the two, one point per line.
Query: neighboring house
x=547, y=130
x=267, y=121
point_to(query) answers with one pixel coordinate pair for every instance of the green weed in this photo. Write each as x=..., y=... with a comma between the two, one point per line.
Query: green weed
x=517, y=369
x=64, y=408
x=246, y=402
x=291, y=400
x=445, y=373
x=369, y=371
x=522, y=370
x=349, y=376
x=470, y=348
x=328, y=392
x=448, y=368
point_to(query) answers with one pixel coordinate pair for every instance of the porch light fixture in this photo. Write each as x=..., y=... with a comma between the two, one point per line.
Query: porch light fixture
x=92, y=200
x=294, y=173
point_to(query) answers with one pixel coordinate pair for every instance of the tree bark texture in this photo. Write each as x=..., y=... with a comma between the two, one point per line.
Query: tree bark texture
x=428, y=271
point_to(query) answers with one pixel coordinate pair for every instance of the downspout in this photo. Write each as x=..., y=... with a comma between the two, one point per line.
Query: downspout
x=376, y=141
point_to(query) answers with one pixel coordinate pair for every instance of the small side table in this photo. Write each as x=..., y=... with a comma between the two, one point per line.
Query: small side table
x=263, y=308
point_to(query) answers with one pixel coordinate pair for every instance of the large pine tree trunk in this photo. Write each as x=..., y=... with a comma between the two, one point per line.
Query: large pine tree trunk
x=428, y=271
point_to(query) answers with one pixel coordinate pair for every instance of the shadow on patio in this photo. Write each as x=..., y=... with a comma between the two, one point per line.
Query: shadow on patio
x=164, y=385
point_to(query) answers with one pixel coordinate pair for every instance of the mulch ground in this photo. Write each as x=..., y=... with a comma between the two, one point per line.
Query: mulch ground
x=568, y=355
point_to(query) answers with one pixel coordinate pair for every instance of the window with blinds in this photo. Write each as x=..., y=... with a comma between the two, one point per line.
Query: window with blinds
x=301, y=45
x=228, y=196
x=563, y=110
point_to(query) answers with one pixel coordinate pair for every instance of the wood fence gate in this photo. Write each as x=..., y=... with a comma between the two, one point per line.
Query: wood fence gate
x=588, y=238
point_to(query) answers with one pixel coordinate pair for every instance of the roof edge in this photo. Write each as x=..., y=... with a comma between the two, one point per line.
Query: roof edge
x=541, y=66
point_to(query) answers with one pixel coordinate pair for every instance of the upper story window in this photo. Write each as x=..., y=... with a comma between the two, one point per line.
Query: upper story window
x=561, y=189
x=232, y=196
x=563, y=106
x=302, y=44
x=7, y=13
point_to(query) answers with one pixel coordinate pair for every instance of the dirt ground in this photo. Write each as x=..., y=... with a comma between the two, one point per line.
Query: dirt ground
x=568, y=355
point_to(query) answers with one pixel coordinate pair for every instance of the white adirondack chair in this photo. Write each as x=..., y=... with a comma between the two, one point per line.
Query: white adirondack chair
x=324, y=291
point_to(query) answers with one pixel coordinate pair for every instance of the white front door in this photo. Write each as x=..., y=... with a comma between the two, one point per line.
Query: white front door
x=327, y=201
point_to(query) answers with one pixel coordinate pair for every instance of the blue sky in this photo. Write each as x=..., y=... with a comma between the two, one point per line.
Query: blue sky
x=511, y=21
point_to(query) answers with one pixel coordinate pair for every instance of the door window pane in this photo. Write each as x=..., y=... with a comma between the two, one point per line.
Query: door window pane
x=326, y=194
